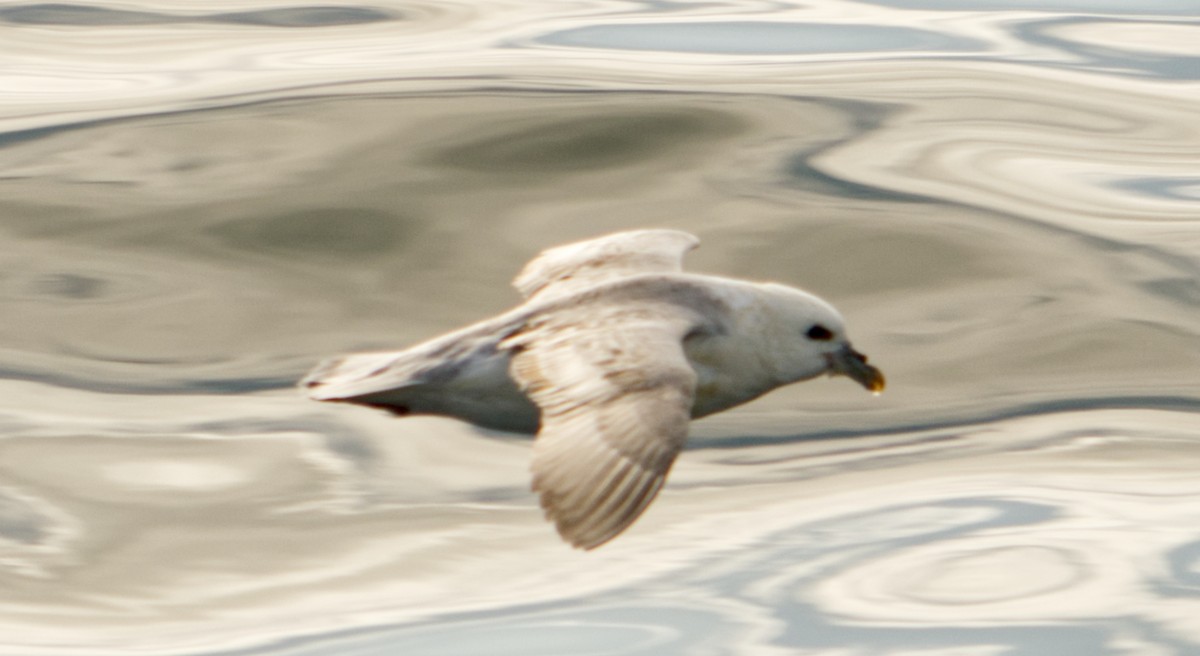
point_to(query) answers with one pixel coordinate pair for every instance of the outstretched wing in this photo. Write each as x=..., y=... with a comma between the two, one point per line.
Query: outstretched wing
x=584, y=263
x=615, y=392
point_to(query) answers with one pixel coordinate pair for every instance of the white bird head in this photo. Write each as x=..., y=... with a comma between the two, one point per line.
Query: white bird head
x=809, y=338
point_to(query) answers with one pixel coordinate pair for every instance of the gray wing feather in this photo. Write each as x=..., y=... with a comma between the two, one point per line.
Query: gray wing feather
x=434, y=361
x=584, y=263
x=615, y=391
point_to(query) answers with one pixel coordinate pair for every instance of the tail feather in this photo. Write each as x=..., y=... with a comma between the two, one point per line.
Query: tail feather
x=351, y=376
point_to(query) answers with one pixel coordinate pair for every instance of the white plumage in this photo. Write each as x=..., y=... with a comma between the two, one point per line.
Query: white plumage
x=613, y=352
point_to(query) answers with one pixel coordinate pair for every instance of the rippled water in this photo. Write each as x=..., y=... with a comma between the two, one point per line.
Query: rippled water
x=198, y=200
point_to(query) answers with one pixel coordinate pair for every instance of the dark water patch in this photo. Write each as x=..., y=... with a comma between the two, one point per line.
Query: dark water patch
x=21, y=136
x=1173, y=188
x=585, y=143
x=1185, y=572
x=804, y=175
x=80, y=15
x=22, y=523
x=1183, y=290
x=92, y=16
x=1168, y=275
x=59, y=283
x=305, y=17
x=323, y=233
x=71, y=286
x=758, y=38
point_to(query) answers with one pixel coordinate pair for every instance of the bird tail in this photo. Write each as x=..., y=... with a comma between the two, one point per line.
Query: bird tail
x=351, y=376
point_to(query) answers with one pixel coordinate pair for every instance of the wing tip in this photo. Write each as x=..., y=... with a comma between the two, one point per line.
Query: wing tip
x=560, y=262
x=599, y=520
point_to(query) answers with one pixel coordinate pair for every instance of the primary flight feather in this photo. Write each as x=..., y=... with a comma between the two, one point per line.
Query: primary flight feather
x=611, y=355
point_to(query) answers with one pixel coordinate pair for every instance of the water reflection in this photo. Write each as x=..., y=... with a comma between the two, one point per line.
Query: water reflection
x=1026, y=556
x=195, y=205
x=751, y=38
x=601, y=137
x=86, y=15
x=1176, y=8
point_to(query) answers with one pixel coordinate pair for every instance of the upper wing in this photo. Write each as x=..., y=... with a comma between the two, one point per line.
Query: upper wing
x=615, y=390
x=620, y=254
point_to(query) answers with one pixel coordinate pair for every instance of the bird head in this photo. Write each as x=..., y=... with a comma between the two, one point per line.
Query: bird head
x=810, y=340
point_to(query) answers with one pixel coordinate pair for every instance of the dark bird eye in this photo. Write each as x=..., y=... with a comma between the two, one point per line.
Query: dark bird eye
x=819, y=333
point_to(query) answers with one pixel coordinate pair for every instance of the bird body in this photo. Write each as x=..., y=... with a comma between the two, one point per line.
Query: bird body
x=613, y=352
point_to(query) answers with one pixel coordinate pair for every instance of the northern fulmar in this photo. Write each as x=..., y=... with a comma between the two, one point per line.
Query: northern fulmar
x=614, y=350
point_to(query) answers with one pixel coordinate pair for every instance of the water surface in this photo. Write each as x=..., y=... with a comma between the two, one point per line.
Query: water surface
x=199, y=201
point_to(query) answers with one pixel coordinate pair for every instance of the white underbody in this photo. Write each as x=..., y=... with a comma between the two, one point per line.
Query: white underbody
x=466, y=374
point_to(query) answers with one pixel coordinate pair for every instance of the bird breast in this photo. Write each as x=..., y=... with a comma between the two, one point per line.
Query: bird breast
x=729, y=372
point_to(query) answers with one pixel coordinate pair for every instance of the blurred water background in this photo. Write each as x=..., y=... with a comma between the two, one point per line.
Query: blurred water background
x=198, y=200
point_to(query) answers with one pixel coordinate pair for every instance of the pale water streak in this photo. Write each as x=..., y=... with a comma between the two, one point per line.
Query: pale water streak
x=200, y=199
